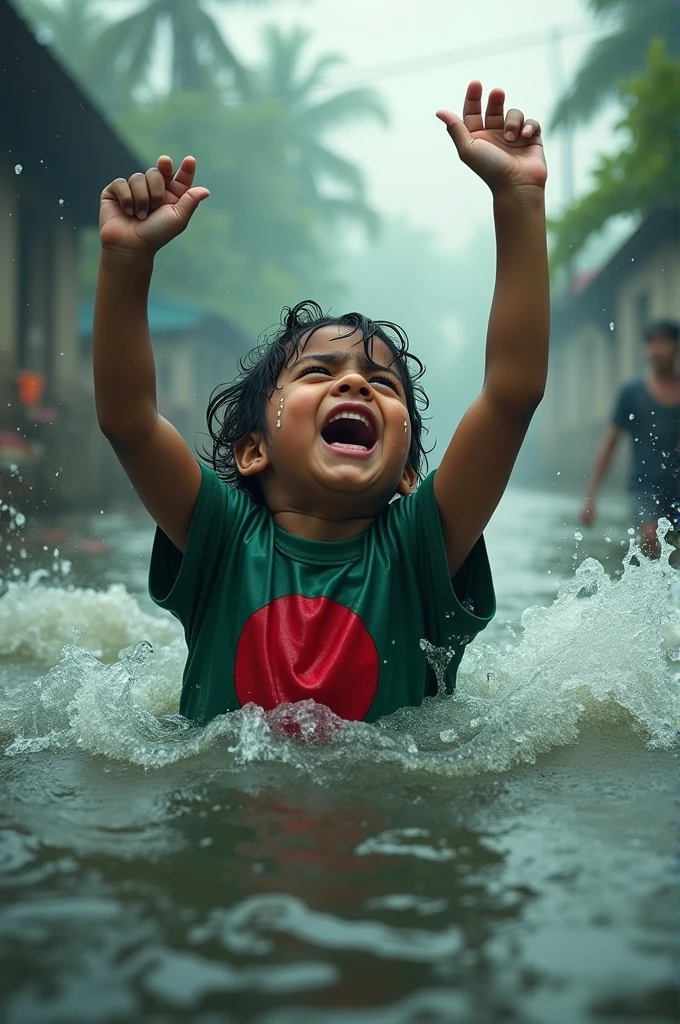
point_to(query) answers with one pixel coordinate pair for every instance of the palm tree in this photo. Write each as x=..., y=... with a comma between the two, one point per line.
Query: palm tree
x=199, y=50
x=618, y=55
x=283, y=78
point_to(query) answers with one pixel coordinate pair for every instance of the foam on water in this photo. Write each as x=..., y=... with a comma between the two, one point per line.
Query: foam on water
x=598, y=657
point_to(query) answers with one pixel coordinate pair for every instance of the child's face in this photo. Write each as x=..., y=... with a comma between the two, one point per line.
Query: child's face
x=339, y=430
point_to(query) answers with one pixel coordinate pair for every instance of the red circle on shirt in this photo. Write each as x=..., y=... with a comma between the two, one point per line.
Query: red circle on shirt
x=301, y=648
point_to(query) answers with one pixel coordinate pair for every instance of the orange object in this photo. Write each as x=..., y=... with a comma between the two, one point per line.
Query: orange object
x=31, y=385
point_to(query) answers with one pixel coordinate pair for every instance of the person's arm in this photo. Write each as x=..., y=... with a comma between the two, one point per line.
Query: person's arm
x=137, y=218
x=477, y=464
x=603, y=458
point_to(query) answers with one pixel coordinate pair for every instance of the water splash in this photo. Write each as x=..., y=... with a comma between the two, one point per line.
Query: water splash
x=599, y=658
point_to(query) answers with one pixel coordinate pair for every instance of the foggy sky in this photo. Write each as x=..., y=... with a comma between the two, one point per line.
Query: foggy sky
x=412, y=168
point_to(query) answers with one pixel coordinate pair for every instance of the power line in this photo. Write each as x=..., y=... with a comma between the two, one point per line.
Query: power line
x=506, y=44
x=432, y=61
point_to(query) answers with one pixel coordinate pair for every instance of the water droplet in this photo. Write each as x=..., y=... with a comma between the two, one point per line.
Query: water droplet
x=18, y=168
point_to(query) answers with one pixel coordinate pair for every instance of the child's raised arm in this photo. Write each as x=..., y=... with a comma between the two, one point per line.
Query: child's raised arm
x=137, y=218
x=505, y=150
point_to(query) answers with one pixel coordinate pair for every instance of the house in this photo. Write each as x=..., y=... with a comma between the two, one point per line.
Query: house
x=596, y=344
x=56, y=154
x=195, y=351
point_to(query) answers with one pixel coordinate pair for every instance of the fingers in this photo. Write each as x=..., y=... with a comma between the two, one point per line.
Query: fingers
x=155, y=183
x=514, y=121
x=456, y=129
x=140, y=195
x=472, y=107
x=493, y=117
x=184, y=178
x=531, y=129
x=165, y=166
x=121, y=192
x=188, y=203
x=513, y=124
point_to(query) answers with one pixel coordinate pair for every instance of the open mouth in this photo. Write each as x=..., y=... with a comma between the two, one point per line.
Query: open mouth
x=350, y=432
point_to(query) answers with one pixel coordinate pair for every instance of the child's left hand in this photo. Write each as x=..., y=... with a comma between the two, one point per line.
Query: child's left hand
x=505, y=150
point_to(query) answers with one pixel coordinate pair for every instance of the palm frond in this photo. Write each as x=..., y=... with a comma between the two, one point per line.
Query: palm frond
x=343, y=107
x=279, y=73
x=335, y=210
x=114, y=42
x=139, y=52
x=321, y=162
x=318, y=74
x=610, y=59
x=223, y=55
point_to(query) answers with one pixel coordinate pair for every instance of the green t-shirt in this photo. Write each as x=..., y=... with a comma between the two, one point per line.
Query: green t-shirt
x=272, y=618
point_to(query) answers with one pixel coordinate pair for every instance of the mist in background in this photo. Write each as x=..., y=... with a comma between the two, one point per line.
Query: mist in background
x=313, y=124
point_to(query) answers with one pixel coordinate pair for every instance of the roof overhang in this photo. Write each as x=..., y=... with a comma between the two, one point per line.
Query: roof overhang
x=51, y=128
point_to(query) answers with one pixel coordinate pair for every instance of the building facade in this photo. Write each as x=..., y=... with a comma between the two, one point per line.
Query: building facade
x=56, y=153
x=597, y=344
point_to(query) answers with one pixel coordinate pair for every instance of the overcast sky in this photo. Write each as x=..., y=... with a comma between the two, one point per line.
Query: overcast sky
x=412, y=168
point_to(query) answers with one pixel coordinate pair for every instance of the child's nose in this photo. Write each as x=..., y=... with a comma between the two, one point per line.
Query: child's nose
x=354, y=384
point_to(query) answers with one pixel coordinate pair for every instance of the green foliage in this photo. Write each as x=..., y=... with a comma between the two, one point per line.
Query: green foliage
x=200, y=55
x=260, y=241
x=284, y=77
x=618, y=55
x=644, y=173
x=251, y=247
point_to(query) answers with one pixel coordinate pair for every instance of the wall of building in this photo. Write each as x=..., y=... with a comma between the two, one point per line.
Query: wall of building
x=589, y=361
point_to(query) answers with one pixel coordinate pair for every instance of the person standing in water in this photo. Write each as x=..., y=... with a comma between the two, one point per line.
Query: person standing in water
x=647, y=408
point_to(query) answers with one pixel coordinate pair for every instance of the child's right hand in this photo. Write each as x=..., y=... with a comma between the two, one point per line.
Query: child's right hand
x=146, y=211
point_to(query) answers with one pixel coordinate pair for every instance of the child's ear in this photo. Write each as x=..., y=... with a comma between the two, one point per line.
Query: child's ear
x=251, y=455
x=408, y=480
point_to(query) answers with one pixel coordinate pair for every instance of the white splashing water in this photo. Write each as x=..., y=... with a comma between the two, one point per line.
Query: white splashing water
x=598, y=657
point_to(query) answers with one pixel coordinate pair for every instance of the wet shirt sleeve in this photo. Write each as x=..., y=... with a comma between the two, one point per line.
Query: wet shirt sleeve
x=182, y=583
x=455, y=610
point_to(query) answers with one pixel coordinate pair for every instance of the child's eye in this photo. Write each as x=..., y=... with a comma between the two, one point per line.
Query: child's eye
x=315, y=369
x=385, y=380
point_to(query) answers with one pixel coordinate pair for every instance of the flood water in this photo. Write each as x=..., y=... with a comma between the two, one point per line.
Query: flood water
x=506, y=854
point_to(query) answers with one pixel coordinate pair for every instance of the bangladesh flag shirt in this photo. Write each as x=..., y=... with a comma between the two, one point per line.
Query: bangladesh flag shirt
x=272, y=618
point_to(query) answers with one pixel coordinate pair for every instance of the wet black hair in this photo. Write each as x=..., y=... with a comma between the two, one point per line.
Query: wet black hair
x=238, y=408
x=666, y=327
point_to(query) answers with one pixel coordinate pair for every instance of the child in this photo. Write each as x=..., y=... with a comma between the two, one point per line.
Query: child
x=294, y=573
